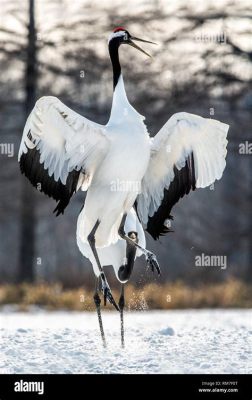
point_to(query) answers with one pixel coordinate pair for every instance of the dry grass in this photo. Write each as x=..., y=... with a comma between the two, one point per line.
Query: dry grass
x=232, y=293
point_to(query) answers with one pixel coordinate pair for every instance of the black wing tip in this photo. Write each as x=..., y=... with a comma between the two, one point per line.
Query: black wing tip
x=57, y=211
x=157, y=235
x=35, y=172
x=184, y=181
x=60, y=208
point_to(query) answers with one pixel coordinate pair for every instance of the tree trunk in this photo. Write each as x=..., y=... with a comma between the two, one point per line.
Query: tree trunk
x=27, y=241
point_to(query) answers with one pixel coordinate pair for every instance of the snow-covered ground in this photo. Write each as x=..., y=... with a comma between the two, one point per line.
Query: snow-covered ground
x=192, y=341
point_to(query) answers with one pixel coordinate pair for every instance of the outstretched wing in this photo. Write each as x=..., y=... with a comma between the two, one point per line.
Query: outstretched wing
x=60, y=150
x=187, y=153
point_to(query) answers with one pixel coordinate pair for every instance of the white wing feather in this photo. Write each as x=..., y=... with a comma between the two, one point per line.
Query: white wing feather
x=182, y=135
x=65, y=139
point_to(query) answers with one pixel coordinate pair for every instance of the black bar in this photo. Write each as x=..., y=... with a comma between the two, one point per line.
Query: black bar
x=172, y=386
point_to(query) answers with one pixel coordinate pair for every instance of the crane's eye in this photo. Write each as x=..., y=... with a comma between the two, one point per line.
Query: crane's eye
x=126, y=36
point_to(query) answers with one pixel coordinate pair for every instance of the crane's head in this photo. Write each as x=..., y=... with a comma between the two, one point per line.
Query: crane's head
x=121, y=36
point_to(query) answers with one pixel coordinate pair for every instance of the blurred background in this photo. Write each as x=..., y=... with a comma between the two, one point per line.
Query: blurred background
x=202, y=65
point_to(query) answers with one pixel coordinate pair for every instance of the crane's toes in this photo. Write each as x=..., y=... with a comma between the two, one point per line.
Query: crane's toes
x=108, y=295
x=152, y=262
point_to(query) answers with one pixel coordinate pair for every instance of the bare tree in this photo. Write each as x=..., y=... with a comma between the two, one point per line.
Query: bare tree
x=27, y=243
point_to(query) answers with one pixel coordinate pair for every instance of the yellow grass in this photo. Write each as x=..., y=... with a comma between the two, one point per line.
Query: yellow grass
x=176, y=295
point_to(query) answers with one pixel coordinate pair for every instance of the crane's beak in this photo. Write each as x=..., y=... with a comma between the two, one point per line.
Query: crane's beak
x=131, y=43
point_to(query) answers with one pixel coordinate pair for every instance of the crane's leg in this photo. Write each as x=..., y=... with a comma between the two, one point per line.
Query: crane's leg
x=121, y=307
x=125, y=270
x=105, y=286
x=150, y=257
x=97, y=301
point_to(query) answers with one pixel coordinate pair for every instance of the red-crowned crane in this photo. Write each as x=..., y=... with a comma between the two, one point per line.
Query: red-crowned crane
x=120, y=167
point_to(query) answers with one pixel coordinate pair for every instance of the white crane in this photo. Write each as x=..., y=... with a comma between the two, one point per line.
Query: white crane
x=119, y=166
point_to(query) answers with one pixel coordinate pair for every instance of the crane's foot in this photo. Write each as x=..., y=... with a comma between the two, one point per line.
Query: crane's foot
x=107, y=293
x=152, y=262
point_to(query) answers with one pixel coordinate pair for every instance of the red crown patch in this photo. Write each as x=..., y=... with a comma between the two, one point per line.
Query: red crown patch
x=119, y=28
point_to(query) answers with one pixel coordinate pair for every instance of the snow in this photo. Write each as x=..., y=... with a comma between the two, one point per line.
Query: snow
x=185, y=341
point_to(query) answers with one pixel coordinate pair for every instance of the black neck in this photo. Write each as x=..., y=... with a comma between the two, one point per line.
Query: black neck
x=114, y=56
